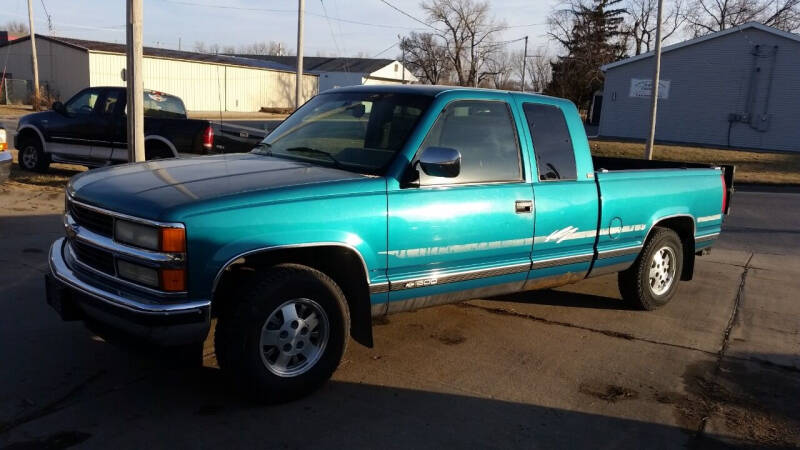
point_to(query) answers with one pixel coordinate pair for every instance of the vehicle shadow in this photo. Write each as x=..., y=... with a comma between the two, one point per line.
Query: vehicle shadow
x=563, y=298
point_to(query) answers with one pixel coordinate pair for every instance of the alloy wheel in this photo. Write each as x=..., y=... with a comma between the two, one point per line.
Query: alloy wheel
x=662, y=270
x=294, y=337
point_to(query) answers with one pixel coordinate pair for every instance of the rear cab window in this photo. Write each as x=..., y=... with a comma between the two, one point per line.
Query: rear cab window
x=552, y=144
x=157, y=104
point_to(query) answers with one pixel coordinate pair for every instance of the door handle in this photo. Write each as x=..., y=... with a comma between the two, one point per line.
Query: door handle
x=523, y=206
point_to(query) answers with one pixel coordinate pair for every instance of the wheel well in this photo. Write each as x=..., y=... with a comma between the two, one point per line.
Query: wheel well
x=157, y=148
x=684, y=227
x=28, y=133
x=342, y=264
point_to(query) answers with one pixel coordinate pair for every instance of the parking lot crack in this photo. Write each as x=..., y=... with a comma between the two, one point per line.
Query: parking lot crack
x=610, y=333
x=726, y=335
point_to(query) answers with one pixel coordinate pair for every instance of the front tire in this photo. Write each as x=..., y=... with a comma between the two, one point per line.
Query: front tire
x=32, y=157
x=286, y=334
x=652, y=280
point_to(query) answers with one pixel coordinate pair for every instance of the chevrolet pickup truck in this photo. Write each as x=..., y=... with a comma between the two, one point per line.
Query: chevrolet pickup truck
x=367, y=201
x=90, y=129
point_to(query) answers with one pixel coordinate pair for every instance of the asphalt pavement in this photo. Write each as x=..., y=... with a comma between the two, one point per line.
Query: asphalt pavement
x=570, y=367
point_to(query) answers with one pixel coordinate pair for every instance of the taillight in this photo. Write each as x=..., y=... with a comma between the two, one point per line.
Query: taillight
x=724, y=195
x=208, y=138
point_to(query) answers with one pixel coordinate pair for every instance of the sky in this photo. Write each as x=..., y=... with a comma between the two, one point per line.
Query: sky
x=238, y=22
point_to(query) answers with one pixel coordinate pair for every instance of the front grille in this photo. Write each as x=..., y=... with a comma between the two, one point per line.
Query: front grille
x=94, y=257
x=92, y=220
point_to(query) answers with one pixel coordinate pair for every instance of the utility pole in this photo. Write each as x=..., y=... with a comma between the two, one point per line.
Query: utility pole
x=298, y=92
x=35, y=61
x=656, y=78
x=403, y=48
x=133, y=78
x=524, y=63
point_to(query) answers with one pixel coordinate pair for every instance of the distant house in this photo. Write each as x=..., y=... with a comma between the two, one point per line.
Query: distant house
x=735, y=88
x=204, y=82
x=338, y=72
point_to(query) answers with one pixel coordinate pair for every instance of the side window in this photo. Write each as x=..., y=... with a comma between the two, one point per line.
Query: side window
x=110, y=102
x=555, y=156
x=483, y=132
x=83, y=103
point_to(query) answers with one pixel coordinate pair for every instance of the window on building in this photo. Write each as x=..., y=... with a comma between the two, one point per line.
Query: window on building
x=483, y=132
x=555, y=156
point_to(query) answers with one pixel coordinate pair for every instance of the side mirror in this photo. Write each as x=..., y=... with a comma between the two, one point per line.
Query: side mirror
x=441, y=162
x=58, y=107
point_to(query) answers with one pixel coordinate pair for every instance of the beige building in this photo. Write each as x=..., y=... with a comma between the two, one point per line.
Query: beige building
x=204, y=82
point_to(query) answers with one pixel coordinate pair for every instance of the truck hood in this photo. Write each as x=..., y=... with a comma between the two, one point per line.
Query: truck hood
x=151, y=188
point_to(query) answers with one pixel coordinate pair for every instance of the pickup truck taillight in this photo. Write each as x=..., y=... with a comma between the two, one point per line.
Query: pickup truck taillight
x=208, y=138
x=724, y=194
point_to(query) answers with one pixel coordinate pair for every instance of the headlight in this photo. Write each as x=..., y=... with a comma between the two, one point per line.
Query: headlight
x=152, y=238
x=136, y=234
x=137, y=273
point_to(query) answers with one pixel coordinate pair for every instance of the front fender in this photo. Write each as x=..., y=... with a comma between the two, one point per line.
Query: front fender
x=229, y=253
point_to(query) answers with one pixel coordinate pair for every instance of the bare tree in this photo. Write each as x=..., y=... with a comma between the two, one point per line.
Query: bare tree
x=425, y=57
x=708, y=16
x=641, y=22
x=264, y=48
x=466, y=29
x=499, y=70
x=16, y=26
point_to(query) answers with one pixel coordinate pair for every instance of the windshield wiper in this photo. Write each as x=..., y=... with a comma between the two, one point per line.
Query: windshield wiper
x=335, y=161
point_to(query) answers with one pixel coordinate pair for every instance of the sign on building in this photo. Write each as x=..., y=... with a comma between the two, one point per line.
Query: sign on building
x=643, y=88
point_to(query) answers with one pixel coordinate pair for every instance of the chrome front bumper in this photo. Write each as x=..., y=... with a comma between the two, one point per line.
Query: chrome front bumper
x=78, y=295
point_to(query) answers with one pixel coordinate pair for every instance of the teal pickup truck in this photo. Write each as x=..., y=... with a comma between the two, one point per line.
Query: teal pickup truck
x=368, y=201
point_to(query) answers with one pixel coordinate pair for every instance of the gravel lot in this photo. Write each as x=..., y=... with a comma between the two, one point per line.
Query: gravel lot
x=570, y=367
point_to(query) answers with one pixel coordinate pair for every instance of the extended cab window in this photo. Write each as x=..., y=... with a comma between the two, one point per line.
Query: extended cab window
x=83, y=102
x=483, y=132
x=355, y=131
x=555, y=156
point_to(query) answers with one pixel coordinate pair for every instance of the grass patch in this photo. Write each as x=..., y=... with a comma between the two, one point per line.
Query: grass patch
x=55, y=177
x=751, y=167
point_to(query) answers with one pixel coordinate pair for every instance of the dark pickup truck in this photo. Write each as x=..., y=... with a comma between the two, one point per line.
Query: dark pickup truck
x=90, y=129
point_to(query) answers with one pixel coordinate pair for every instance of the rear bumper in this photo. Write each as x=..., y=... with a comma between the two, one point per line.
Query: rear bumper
x=76, y=295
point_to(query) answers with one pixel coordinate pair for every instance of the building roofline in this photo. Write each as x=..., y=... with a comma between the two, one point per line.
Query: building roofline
x=718, y=34
x=148, y=53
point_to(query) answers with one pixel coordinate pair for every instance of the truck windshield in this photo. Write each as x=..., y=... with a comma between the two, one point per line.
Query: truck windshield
x=359, y=132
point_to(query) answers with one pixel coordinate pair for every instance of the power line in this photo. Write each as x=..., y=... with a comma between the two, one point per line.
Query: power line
x=385, y=50
x=333, y=35
x=288, y=11
x=408, y=15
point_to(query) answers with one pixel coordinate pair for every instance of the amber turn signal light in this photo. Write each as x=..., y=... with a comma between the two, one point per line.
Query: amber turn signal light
x=173, y=280
x=173, y=240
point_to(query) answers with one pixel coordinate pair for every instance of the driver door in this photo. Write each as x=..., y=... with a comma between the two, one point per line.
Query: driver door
x=78, y=126
x=455, y=238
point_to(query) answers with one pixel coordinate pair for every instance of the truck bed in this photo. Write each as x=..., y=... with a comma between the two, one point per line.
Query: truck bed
x=612, y=164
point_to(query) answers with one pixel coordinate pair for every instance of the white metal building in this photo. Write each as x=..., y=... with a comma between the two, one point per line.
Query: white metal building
x=339, y=72
x=204, y=82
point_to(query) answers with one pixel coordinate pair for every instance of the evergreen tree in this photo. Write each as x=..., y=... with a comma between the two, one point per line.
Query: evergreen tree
x=592, y=36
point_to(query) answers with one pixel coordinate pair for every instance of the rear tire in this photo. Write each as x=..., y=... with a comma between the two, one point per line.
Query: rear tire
x=32, y=157
x=285, y=335
x=652, y=280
